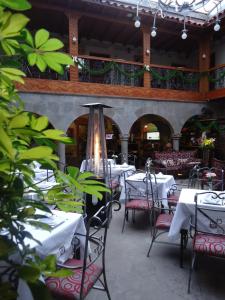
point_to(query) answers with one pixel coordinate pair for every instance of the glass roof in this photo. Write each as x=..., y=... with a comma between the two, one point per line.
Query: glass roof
x=205, y=9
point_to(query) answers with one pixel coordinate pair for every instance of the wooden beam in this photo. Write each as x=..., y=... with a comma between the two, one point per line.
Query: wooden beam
x=204, y=62
x=146, y=55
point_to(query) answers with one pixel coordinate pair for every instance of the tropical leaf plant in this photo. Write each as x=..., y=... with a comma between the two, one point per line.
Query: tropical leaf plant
x=25, y=137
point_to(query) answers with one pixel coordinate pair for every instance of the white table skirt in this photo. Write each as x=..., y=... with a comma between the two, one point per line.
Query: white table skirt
x=57, y=242
x=164, y=183
x=185, y=210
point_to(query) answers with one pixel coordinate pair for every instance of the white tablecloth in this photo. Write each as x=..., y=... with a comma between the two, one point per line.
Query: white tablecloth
x=82, y=167
x=164, y=182
x=57, y=242
x=185, y=210
x=116, y=170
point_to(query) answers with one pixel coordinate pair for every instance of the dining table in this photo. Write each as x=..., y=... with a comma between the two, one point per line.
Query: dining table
x=115, y=170
x=185, y=211
x=136, y=182
x=58, y=241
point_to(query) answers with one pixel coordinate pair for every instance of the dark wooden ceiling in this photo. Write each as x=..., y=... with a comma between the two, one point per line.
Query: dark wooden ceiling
x=109, y=23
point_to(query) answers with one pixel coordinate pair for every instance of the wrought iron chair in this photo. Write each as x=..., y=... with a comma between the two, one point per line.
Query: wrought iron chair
x=138, y=199
x=88, y=271
x=208, y=227
x=162, y=219
x=210, y=178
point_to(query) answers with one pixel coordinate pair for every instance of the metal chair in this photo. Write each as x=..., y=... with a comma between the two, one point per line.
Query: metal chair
x=162, y=219
x=210, y=178
x=138, y=199
x=208, y=228
x=88, y=271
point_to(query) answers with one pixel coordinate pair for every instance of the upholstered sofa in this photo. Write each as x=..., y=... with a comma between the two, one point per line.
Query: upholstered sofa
x=175, y=162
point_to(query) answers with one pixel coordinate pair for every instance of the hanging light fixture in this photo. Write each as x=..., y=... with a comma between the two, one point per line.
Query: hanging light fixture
x=197, y=9
x=217, y=24
x=184, y=32
x=154, y=28
x=137, y=20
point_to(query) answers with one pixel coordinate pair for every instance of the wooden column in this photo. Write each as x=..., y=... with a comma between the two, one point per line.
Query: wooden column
x=146, y=55
x=73, y=45
x=204, y=62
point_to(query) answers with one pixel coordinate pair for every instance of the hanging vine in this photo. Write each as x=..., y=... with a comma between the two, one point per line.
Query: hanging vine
x=139, y=72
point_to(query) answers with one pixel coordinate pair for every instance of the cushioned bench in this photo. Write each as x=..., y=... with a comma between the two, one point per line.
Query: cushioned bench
x=175, y=162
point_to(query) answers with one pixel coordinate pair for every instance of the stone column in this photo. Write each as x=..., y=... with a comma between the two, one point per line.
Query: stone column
x=62, y=156
x=124, y=145
x=176, y=141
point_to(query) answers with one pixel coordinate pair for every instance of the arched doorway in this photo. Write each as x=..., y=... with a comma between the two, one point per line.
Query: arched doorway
x=78, y=131
x=148, y=134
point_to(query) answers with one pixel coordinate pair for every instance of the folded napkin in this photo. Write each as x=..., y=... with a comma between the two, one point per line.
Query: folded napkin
x=210, y=199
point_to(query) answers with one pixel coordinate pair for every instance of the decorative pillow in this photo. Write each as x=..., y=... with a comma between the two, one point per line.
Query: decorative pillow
x=182, y=161
x=168, y=163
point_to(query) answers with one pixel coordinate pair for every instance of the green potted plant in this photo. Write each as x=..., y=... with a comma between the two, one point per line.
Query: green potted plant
x=25, y=138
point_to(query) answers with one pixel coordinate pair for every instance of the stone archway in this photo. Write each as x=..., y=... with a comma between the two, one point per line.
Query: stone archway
x=142, y=143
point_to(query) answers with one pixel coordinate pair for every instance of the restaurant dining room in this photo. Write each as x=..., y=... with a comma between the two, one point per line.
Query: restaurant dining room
x=112, y=160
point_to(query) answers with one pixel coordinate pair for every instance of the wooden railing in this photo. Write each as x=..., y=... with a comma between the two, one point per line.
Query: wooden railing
x=166, y=77
x=217, y=77
x=110, y=71
x=101, y=70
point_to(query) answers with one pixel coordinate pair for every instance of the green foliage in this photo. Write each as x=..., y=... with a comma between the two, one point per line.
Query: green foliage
x=24, y=138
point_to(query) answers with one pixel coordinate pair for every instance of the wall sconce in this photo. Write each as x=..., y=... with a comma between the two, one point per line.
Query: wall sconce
x=74, y=39
x=203, y=56
x=147, y=51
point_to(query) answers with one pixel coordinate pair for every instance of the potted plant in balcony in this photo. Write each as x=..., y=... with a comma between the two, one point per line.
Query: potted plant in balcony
x=25, y=138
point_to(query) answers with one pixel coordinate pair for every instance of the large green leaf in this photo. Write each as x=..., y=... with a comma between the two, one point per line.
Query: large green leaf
x=57, y=135
x=19, y=121
x=16, y=4
x=36, y=153
x=39, y=123
x=62, y=58
x=6, y=143
x=41, y=37
x=51, y=45
x=16, y=23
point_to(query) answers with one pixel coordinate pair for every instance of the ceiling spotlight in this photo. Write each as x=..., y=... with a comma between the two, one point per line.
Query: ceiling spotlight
x=154, y=31
x=184, y=34
x=137, y=22
x=217, y=26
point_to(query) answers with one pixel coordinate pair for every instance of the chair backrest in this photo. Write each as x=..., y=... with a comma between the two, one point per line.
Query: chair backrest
x=209, y=213
x=216, y=178
x=95, y=243
x=131, y=159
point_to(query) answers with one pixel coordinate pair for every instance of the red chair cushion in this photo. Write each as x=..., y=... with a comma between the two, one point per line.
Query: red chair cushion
x=164, y=221
x=69, y=287
x=138, y=204
x=173, y=199
x=210, y=244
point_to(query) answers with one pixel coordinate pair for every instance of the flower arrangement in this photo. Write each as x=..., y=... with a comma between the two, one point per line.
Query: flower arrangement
x=207, y=143
x=114, y=156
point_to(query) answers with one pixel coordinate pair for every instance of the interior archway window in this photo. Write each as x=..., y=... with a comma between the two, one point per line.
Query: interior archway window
x=151, y=132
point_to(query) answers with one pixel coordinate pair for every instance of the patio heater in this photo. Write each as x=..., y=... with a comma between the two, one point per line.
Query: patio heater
x=96, y=154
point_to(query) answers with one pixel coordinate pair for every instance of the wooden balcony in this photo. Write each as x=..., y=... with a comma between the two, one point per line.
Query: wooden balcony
x=120, y=78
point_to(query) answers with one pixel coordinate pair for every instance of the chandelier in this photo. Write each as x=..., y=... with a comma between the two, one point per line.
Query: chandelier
x=184, y=8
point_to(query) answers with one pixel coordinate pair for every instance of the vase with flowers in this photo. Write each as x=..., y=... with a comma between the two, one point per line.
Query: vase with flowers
x=207, y=145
